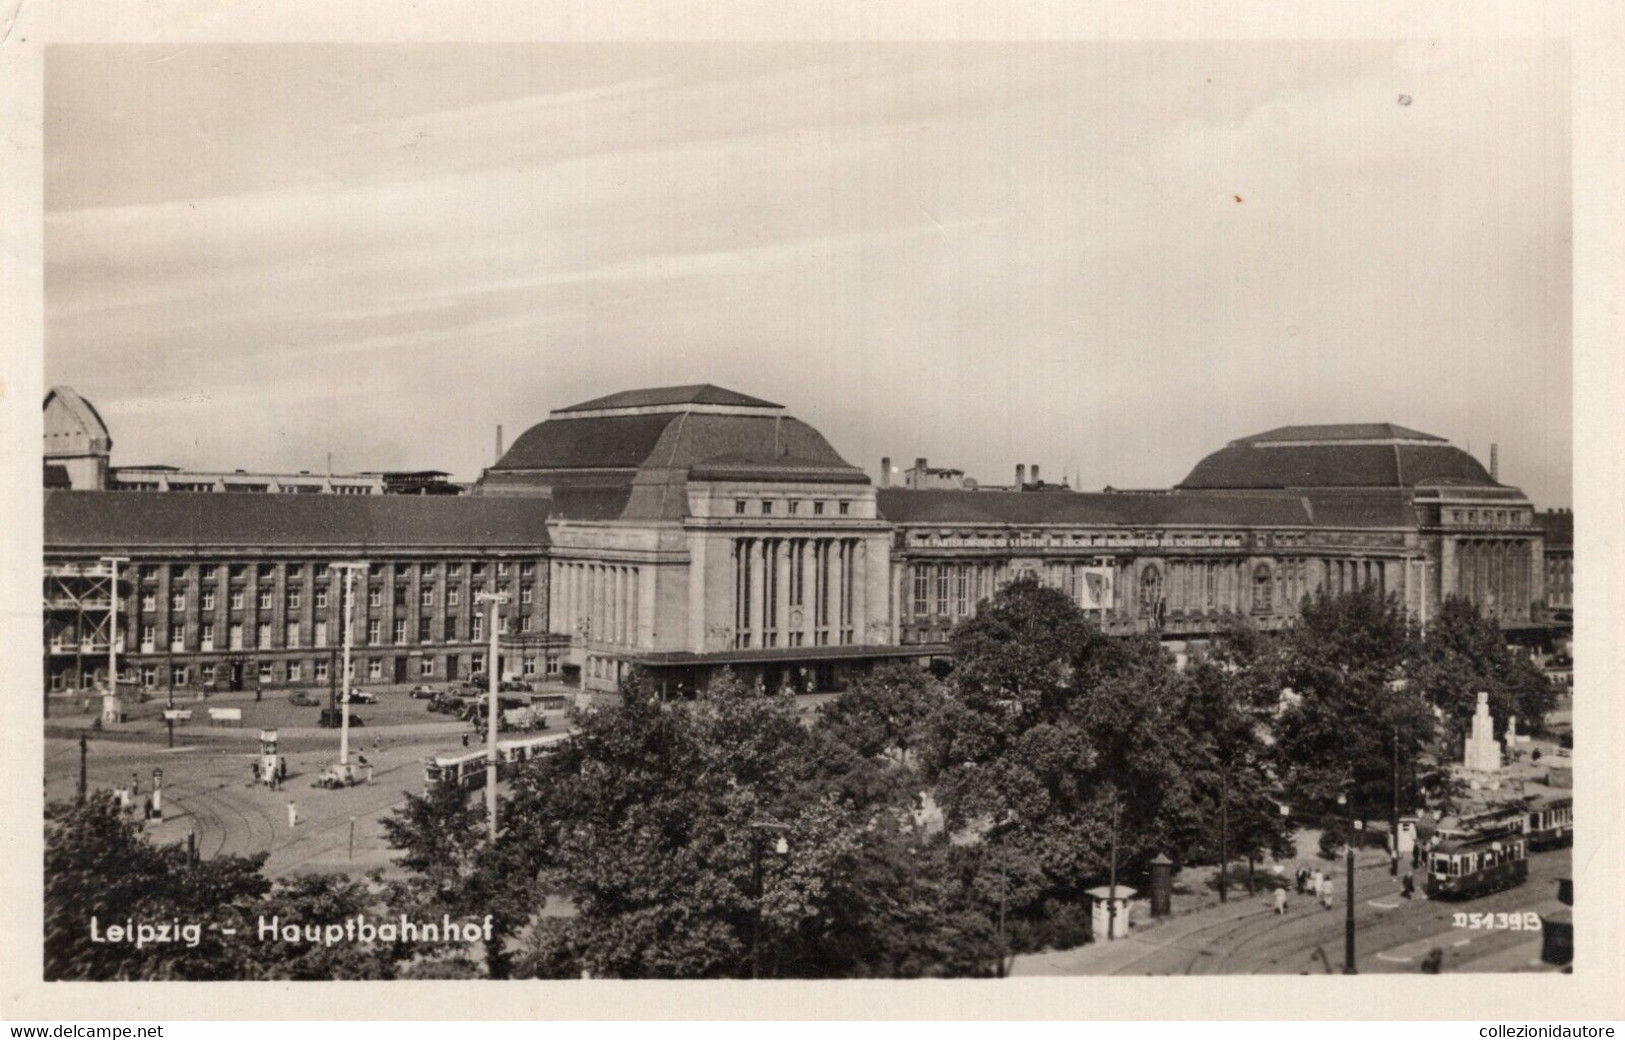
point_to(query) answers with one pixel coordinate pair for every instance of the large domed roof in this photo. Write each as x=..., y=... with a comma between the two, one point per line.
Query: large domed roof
x=621, y=455
x=1350, y=455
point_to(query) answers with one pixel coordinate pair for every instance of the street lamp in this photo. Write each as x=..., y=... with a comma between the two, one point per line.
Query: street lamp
x=1348, y=917
x=349, y=568
x=112, y=623
x=760, y=829
x=493, y=601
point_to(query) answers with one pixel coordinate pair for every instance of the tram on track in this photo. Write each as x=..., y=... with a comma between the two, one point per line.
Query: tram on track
x=1464, y=868
x=1550, y=823
x=466, y=769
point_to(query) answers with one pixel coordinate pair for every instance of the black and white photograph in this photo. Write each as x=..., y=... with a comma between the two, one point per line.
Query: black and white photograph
x=1007, y=511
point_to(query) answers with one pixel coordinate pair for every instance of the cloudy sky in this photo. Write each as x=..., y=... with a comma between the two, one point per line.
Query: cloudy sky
x=1108, y=259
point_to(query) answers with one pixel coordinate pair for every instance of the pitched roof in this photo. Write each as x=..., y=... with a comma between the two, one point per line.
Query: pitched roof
x=1246, y=466
x=138, y=519
x=654, y=397
x=1331, y=432
x=905, y=506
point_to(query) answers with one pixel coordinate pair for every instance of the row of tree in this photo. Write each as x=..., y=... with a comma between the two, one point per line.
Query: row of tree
x=917, y=825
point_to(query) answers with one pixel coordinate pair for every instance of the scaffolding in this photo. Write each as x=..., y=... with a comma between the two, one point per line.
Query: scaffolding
x=78, y=618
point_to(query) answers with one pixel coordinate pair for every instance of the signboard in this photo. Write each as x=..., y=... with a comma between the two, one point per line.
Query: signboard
x=1095, y=593
x=179, y=714
x=226, y=714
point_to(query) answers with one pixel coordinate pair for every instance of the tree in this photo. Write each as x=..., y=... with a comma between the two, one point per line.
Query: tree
x=102, y=871
x=1462, y=653
x=1353, y=709
x=1068, y=742
x=1230, y=763
x=647, y=830
x=452, y=868
x=888, y=710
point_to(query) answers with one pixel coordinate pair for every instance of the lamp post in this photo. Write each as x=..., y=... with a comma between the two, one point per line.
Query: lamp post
x=112, y=622
x=1348, y=916
x=1111, y=897
x=349, y=568
x=1224, y=833
x=493, y=614
x=1393, y=818
x=759, y=829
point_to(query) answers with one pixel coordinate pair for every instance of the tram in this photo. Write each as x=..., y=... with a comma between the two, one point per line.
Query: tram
x=1463, y=868
x=1550, y=822
x=467, y=768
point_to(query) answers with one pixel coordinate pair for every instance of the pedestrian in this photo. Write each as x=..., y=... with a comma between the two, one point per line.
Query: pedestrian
x=135, y=783
x=465, y=740
x=1300, y=877
x=1326, y=892
x=1280, y=900
x=146, y=808
x=293, y=815
x=1407, y=887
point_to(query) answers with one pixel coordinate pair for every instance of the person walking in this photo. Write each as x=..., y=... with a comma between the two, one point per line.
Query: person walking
x=1407, y=886
x=1280, y=900
x=1326, y=892
x=293, y=815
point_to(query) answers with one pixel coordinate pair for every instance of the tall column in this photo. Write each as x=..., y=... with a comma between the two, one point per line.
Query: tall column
x=782, y=603
x=753, y=618
x=860, y=591
x=809, y=590
x=832, y=585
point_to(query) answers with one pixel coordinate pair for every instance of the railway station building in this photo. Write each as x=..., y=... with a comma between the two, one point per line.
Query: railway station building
x=690, y=529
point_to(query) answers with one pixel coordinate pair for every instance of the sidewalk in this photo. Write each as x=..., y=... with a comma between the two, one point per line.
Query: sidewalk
x=1152, y=934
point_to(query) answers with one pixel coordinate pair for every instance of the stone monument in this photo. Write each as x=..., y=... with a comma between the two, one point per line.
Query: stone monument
x=1483, y=751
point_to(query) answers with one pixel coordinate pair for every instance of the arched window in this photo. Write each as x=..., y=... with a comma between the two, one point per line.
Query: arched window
x=1150, y=591
x=1263, y=589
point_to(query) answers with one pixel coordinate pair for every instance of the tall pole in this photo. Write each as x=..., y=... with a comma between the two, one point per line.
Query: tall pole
x=112, y=624
x=1348, y=910
x=1111, y=897
x=349, y=569
x=84, y=752
x=1393, y=817
x=493, y=714
x=169, y=700
x=349, y=636
x=756, y=904
x=1224, y=832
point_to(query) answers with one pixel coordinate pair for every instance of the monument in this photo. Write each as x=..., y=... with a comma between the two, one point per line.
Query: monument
x=1483, y=751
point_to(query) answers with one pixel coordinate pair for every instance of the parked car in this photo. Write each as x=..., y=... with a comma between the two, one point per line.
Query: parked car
x=333, y=718
x=423, y=692
x=513, y=686
x=303, y=699
x=362, y=697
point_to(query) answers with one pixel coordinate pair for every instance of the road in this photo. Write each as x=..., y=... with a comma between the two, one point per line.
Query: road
x=1392, y=934
x=209, y=792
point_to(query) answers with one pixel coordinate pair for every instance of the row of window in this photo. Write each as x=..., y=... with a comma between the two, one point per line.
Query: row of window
x=294, y=598
x=792, y=506
x=321, y=569
x=293, y=671
x=1489, y=516
x=292, y=633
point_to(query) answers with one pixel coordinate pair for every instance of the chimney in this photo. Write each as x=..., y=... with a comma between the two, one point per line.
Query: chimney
x=1035, y=474
x=1021, y=476
x=885, y=471
x=1495, y=463
x=499, y=442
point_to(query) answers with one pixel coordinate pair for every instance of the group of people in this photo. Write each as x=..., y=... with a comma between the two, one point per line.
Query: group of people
x=1316, y=883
